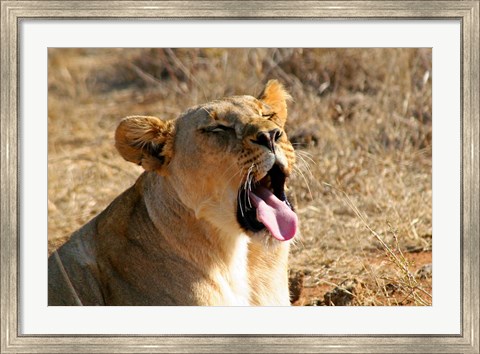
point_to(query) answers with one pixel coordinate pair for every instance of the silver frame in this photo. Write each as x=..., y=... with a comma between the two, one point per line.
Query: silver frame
x=465, y=11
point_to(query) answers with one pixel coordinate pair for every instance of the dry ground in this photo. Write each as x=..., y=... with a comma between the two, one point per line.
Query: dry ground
x=361, y=123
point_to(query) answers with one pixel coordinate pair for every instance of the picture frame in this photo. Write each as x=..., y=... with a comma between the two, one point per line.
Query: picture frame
x=12, y=12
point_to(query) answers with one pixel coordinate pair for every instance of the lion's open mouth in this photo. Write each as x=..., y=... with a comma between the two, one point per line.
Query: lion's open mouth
x=265, y=205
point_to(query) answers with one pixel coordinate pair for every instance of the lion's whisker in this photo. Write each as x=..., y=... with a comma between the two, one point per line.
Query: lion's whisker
x=249, y=189
x=306, y=155
x=247, y=183
x=239, y=196
x=241, y=209
x=306, y=165
x=296, y=169
x=232, y=165
x=232, y=177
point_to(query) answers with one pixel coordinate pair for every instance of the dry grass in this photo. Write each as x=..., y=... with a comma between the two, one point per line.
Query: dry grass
x=361, y=122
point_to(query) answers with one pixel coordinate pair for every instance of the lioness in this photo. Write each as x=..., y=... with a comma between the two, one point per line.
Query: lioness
x=207, y=223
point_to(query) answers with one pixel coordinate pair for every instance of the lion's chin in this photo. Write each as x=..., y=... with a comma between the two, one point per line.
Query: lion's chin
x=264, y=208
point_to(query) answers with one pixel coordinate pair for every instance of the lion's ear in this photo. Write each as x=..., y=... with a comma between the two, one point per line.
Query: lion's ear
x=146, y=141
x=275, y=96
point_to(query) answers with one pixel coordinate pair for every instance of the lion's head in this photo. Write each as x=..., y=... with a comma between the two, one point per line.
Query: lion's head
x=227, y=160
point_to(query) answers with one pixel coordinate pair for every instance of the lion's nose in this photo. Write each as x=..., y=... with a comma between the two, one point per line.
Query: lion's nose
x=268, y=138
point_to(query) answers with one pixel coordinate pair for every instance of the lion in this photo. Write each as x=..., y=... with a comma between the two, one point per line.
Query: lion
x=207, y=223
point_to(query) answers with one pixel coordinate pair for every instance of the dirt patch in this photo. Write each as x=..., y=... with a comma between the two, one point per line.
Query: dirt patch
x=355, y=291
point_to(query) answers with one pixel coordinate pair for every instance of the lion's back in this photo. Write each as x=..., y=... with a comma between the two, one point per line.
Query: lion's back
x=73, y=272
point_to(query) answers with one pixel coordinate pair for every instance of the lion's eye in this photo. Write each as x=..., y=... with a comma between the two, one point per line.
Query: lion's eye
x=268, y=115
x=218, y=129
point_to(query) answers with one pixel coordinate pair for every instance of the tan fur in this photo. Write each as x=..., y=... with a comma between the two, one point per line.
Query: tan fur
x=173, y=237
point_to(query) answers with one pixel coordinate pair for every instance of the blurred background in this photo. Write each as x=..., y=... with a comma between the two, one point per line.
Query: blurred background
x=360, y=121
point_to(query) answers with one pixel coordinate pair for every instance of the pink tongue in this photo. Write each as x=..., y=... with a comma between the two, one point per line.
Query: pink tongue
x=277, y=217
